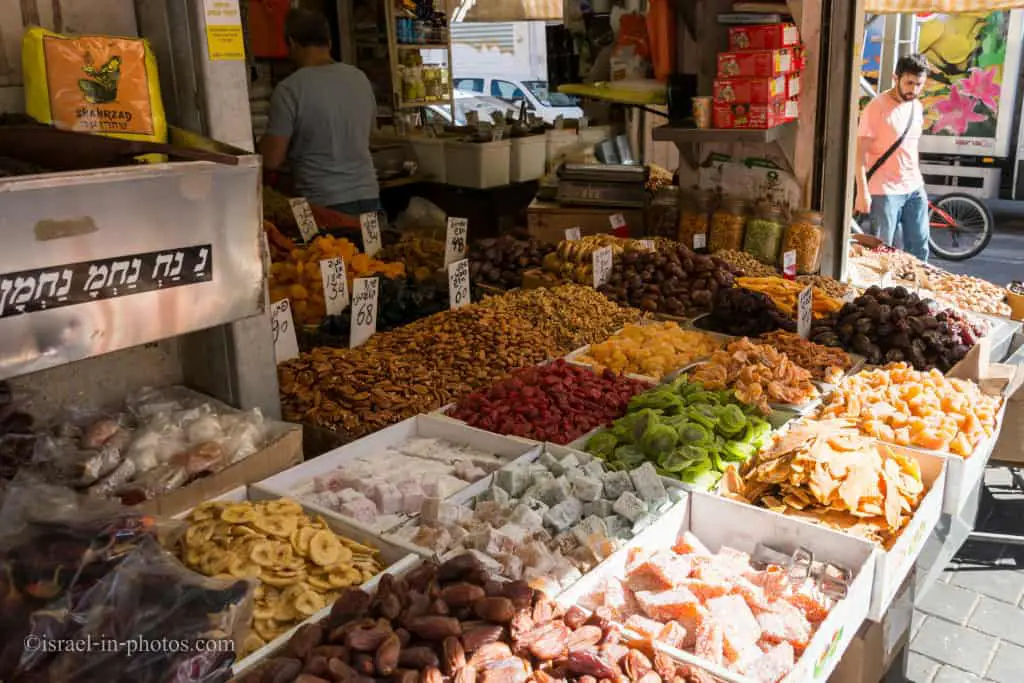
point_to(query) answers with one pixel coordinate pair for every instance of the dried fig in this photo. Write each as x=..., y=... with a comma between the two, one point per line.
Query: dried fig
x=454, y=656
x=418, y=579
x=386, y=659
x=636, y=664
x=431, y=675
x=353, y=604
x=551, y=642
x=389, y=606
x=614, y=652
x=418, y=658
x=585, y=637
x=439, y=608
x=462, y=594
x=317, y=666
x=304, y=640
x=589, y=663
x=494, y=589
x=511, y=670
x=434, y=628
x=664, y=666
x=496, y=610
x=403, y=636
x=575, y=617
x=476, y=637
x=543, y=611
x=520, y=593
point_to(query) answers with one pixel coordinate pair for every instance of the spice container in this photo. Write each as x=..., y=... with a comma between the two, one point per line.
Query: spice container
x=727, y=225
x=763, y=235
x=805, y=236
x=663, y=214
x=693, y=219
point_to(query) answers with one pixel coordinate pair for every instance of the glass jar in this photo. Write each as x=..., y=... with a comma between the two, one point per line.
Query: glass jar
x=727, y=225
x=663, y=214
x=693, y=219
x=763, y=236
x=806, y=236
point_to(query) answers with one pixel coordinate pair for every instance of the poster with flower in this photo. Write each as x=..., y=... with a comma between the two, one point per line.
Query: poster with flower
x=970, y=96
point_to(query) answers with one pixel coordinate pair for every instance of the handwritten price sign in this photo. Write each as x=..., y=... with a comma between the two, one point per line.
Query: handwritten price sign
x=458, y=284
x=286, y=344
x=365, y=291
x=370, y=225
x=602, y=262
x=455, y=243
x=572, y=234
x=805, y=311
x=332, y=272
x=304, y=219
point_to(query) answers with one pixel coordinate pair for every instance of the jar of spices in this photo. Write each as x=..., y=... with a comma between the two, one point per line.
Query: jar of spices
x=693, y=219
x=663, y=214
x=806, y=237
x=763, y=235
x=727, y=225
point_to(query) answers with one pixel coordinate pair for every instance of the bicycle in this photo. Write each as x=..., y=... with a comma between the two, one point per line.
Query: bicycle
x=957, y=215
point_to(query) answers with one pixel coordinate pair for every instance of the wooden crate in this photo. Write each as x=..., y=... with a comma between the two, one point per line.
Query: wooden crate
x=548, y=221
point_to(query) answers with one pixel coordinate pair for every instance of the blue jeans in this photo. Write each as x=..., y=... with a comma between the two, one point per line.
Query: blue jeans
x=905, y=215
x=357, y=207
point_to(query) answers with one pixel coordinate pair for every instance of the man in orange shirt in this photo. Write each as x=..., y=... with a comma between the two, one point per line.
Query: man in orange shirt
x=890, y=187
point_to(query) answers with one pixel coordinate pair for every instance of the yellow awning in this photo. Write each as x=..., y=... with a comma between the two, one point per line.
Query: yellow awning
x=941, y=6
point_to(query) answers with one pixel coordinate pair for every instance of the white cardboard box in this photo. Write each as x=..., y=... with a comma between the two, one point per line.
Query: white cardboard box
x=720, y=522
x=286, y=482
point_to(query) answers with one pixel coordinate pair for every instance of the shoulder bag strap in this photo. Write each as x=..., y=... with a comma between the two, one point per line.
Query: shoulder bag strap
x=896, y=145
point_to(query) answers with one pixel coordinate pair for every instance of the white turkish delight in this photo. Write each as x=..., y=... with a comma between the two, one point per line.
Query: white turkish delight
x=496, y=494
x=489, y=511
x=584, y=458
x=601, y=508
x=566, y=464
x=564, y=543
x=448, y=485
x=618, y=527
x=361, y=509
x=586, y=488
x=512, y=479
x=513, y=565
x=630, y=507
x=556, y=491
x=548, y=461
x=595, y=469
x=590, y=527
x=513, y=532
x=566, y=575
x=388, y=498
x=491, y=542
x=564, y=515
x=527, y=518
x=468, y=471
x=541, y=478
x=647, y=483
x=488, y=563
x=642, y=523
x=458, y=534
x=346, y=495
x=412, y=497
x=430, y=510
x=616, y=483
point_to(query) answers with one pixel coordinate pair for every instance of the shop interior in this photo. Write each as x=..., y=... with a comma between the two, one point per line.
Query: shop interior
x=613, y=387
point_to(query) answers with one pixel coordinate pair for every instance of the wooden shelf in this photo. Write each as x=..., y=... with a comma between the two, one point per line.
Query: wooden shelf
x=422, y=46
x=681, y=135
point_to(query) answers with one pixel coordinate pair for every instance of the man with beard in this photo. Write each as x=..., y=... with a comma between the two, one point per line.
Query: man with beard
x=890, y=187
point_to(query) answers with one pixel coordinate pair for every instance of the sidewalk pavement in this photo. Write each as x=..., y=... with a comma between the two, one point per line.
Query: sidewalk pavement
x=969, y=627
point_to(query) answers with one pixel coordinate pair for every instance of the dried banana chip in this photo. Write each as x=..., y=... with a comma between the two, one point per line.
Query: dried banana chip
x=200, y=533
x=242, y=513
x=205, y=511
x=320, y=583
x=324, y=548
x=308, y=604
x=252, y=643
x=284, y=610
x=301, y=538
x=264, y=610
x=266, y=629
x=284, y=506
x=276, y=525
x=263, y=554
x=276, y=579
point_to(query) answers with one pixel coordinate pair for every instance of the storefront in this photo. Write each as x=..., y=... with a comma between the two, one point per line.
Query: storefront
x=651, y=432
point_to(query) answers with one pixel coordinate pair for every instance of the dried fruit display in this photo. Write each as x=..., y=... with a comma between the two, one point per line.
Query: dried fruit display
x=829, y=285
x=745, y=263
x=17, y=436
x=758, y=373
x=299, y=278
x=717, y=606
x=893, y=325
x=572, y=260
x=300, y=564
x=434, y=361
x=672, y=280
x=827, y=472
x=784, y=294
x=500, y=261
x=689, y=432
x=825, y=363
x=382, y=489
x=653, y=350
x=422, y=257
x=549, y=521
x=743, y=313
x=558, y=402
x=907, y=407
x=454, y=624
x=400, y=301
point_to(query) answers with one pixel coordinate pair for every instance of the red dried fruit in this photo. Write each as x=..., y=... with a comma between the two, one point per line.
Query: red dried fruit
x=363, y=664
x=475, y=637
x=495, y=610
x=434, y=628
x=664, y=665
x=589, y=663
x=367, y=636
x=304, y=640
x=353, y=604
x=549, y=641
x=462, y=594
x=457, y=567
x=543, y=611
x=341, y=671
x=585, y=637
x=490, y=652
x=520, y=593
x=405, y=676
x=431, y=675
x=454, y=656
x=466, y=674
x=386, y=659
x=636, y=664
x=316, y=665
x=575, y=617
x=649, y=677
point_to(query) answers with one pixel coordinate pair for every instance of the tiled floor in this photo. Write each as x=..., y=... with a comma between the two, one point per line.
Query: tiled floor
x=970, y=626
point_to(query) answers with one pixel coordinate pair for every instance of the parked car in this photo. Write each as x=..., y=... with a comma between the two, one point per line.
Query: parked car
x=539, y=100
x=464, y=102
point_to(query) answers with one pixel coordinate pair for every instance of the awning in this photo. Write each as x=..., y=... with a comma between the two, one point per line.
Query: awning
x=940, y=6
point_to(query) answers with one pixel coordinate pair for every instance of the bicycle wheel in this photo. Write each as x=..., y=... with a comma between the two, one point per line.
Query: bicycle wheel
x=970, y=231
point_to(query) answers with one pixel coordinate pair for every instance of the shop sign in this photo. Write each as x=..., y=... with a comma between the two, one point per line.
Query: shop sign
x=572, y=234
x=602, y=263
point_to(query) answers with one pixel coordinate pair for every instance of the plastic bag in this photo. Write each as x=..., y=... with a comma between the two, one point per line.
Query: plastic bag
x=54, y=546
x=423, y=218
x=631, y=57
x=93, y=84
x=163, y=622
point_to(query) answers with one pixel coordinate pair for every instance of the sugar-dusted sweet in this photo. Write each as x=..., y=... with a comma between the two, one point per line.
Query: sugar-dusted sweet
x=772, y=666
x=782, y=622
x=566, y=465
x=644, y=626
x=710, y=642
x=648, y=484
x=630, y=507
x=598, y=508
x=616, y=483
x=527, y=518
x=672, y=634
x=556, y=491
x=585, y=488
x=361, y=509
x=667, y=605
x=740, y=629
x=513, y=479
x=564, y=514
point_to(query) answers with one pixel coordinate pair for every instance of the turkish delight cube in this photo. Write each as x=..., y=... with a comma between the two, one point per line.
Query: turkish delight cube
x=594, y=469
x=599, y=508
x=512, y=479
x=783, y=622
x=630, y=507
x=586, y=488
x=548, y=460
x=710, y=642
x=740, y=629
x=564, y=514
x=690, y=544
x=566, y=465
x=618, y=527
x=361, y=509
x=616, y=483
x=648, y=484
x=662, y=570
x=535, y=504
x=513, y=532
x=590, y=527
x=556, y=491
x=388, y=498
x=772, y=666
x=496, y=494
x=526, y=518
x=512, y=565
x=468, y=471
x=646, y=627
x=412, y=497
x=679, y=604
x=673, y=634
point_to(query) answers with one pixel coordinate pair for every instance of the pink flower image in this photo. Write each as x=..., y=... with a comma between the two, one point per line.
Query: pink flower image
x=981, y=86
x=956, y=113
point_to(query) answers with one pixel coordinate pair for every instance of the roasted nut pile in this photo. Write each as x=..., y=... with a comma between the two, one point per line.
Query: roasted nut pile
x=453, y=623
x=745, y=263
x=829, y=285
x=301, y=565
x=431, y=362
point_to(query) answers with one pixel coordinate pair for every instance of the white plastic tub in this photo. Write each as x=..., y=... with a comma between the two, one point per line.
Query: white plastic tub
x=478, y=164
x=559, y=141
x=430, y=157
x=528, y=158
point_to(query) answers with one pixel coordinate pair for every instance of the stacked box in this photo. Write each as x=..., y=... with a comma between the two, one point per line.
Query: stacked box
x=758, y=82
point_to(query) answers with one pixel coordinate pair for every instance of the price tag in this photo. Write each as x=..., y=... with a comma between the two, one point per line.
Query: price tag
x=602, y=262
x=789, y=264
x=364, y=310
x=572, y=234
x=286, y=344
x=617, y=221
x=700, y=240
x=371, y=232
x=304, y=219
x=805, y=311
x=886, y=280
x=646, y=244
x=332, y=272
x=458, y=284
x=455, y=242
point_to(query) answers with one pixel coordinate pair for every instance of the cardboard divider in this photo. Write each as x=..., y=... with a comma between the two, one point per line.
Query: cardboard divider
x=720, y=522
x=286, y=483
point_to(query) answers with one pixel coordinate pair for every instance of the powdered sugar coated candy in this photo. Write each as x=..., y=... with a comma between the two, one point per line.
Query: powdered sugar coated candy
x=772, y=666
x=662, y=570
x=673, y=635
x=783, y=622
x=361, y=509
x=687, y=544
x=679, y=604
x=710, y=643
x=740, y=629
x=644, y=626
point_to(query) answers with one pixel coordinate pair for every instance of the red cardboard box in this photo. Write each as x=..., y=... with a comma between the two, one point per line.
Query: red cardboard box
x=763, y=37
x=762, y=115
x=792, y=86
x=750, y=90
x=755, y=64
